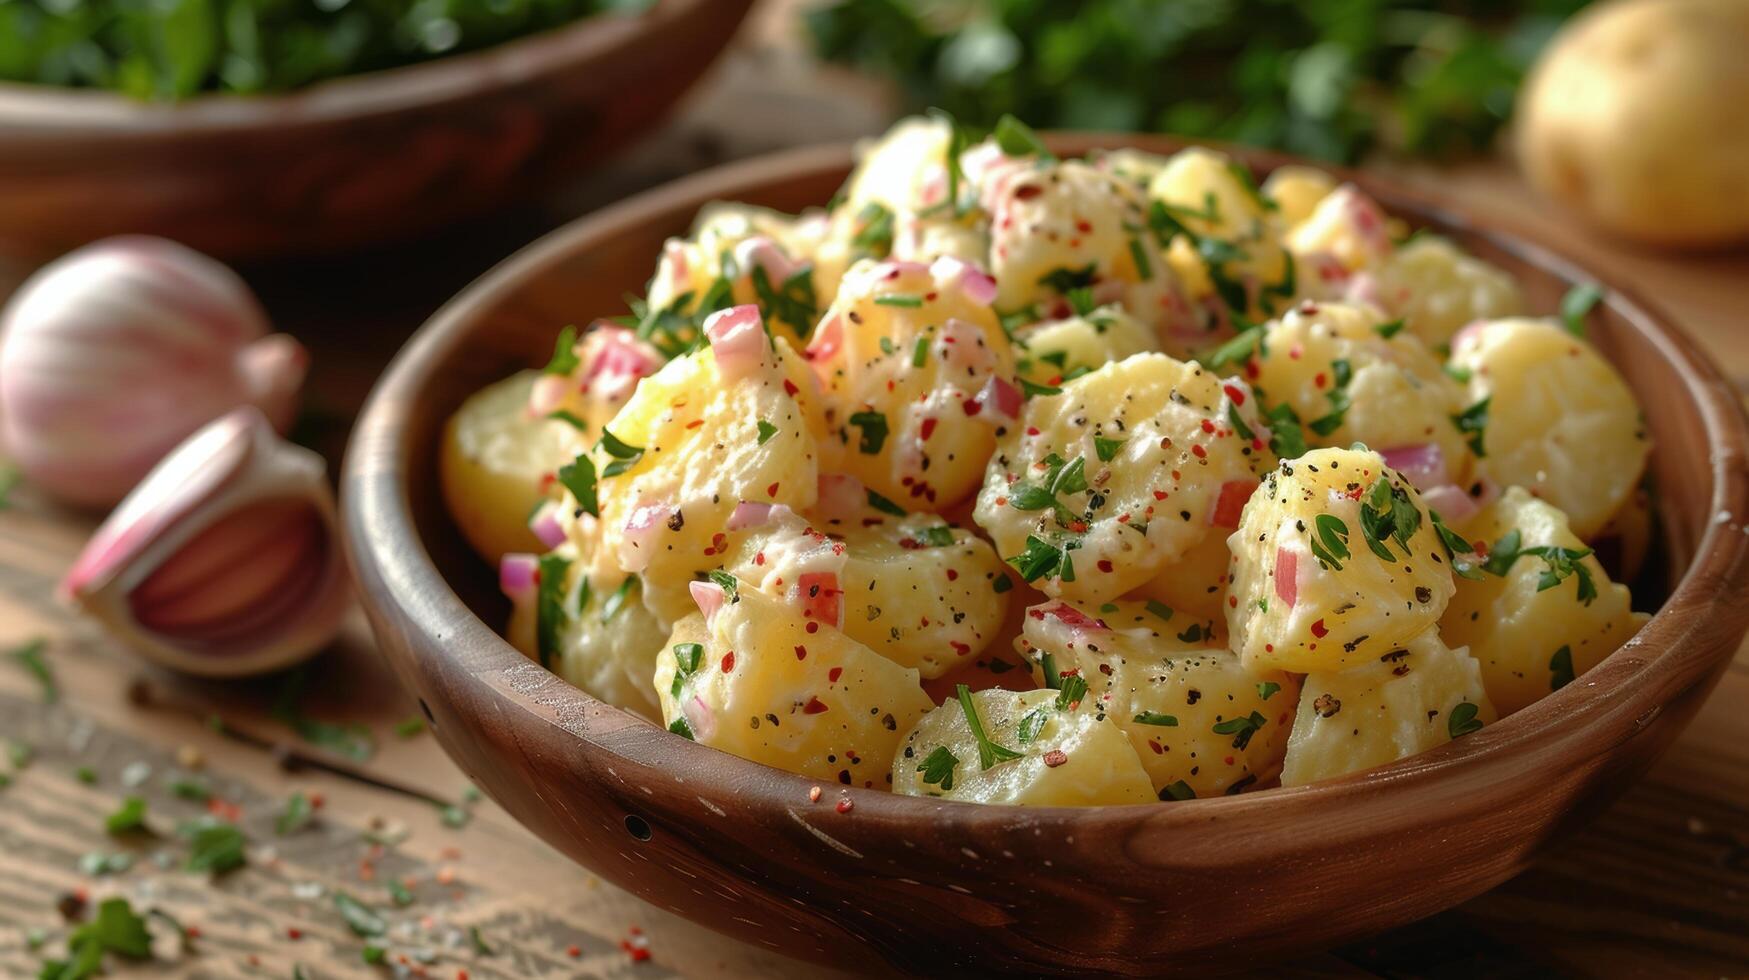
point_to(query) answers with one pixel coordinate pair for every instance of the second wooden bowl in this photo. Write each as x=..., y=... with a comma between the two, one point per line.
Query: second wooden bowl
x=932, y=886
x=352, y=161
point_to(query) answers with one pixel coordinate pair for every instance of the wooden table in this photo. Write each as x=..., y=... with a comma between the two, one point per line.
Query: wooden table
x=1658, y=885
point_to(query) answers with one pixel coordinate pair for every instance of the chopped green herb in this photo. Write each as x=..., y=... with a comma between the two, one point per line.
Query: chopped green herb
x=766, y=431
x=1016, y=139
x=479, y=942
x=686, y=661
x=191, y=789
x=874, y=431
x=1473, y=421
x=625, y=456
x=793, y=302
x=1032, y=389
x=1237, y=350
x=1463, y=720
x=1461, y=375
x=1156, y=718
x=1391, y=329
x=884, y=505
x=902, y=301
x=1286, y=439
x=564, y=359
x=578, y=476
x=1066, y=280
x=1160, y=609
x=1041, y=559
x=989, y=753
x=616, y=599
x=1238, y=424
x=29, y=655
x=938, y=767
x=1461, y=552
x=1179, y=790
x=297, y=815
x=550, y=617
x=1267, y=689
x=1330, y=542
x=874, y=236
x=1577, y=305
x=920, y=351
x=1139, y=255
x=679, y=727
x=410, y=727
x=1241, y=728
x=1073, y=690
x=128, y=817
x=939, y=536
x=213, y=845
x=115, y=929
x=1106, y=449
x=374, y=955
x=360, y=918
x=570, y=418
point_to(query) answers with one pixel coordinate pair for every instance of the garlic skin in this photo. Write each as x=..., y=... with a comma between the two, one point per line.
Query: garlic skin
x=226, y=560
x=114, y=353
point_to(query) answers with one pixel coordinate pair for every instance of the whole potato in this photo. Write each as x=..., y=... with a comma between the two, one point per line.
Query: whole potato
x=1634, y=116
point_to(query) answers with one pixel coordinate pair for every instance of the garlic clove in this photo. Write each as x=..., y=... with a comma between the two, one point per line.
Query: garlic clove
x=113, y=354
x=224, y=561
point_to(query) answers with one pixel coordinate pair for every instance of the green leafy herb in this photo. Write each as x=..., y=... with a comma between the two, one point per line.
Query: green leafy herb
x=1018, y=140
x=1066, y=280
x=1034, y=390
x=213, y=845
x=625, y=456
x=1391, y=329
x=727, y=582
x=564, y=359
x=1458, y=373
x=1160, y=609
x=1179, y=790
x=550, y=617
x=938, y=767
x=884, y=505
x=989, y=753
x=1241, y=728
x=1286, y=439
x=374, y=955
x=793, y=302
x=570, y=418
x=920, y=351
x=297, y=814
x=686, y=661
x=1385, y=515
x=1069, y=695
x=1473, y=422
x=1463, y=720
x=1577, y=305
x=410, y=727
x=360, y=918
x=191, y=789
x=1041, y=559
x=116, y=928
x=352, y=740
x=902, y=301
x=874, y=431
x=1156, y=718
x=766, y=431
x=1561, y=564
x=1106, y=449
x=679, y=727
x=1342, y=372
x=478, y=941
x=130, y=816
x=1330, y=541
x=1237, y=350
x=1267, y=689
x=1139, y=255
x=874, y=236
x=1238, y=424
x=1561, y=668
x=578, y=476
x=939, y=536
x=29, y=656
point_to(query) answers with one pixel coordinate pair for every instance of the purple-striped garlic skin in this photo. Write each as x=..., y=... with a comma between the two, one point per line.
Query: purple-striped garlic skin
x=113, y=354
x=224, y=560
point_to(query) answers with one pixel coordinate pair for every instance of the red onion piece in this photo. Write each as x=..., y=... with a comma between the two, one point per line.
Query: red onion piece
x=1287, y=576
x=763, y=252
x=841, y=496
x=516, y=576
x=700, y=718
x=1074, y=618
x=709, y=597
x=1450, y=502
x=547, y=394
x=973, y=281
x=737, y=337
x=1230, y=503
x=1422, y=465
x=545, y=525
x=641, y=529
x=749, y=514
x=1000, y=401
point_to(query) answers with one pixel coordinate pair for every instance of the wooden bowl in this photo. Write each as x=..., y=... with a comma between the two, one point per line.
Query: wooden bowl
x=931, y=886
x=347, y=162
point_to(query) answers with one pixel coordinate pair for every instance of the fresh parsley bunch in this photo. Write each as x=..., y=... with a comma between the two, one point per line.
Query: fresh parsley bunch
x=172, y=49
x=1330, y=79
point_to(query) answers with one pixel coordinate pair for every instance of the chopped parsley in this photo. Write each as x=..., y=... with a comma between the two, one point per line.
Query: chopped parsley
x=295, y=816
x=1463, y=720
x=1342, y=372
x=1106, y=449
x=570, y=418
x=1562, y=564
x=989, y=753
x=874, y=431
x=1286, y=439
x=1179, y=790
x=874, y=236
x=766, y=431
x=1389, y=330
x=564, y=359
x=1160, y=609
x=617, y=599
x=1139, y=255
x=213, y=845
x=29, y=656
x=1577, y=305
x=128, y=817
x=908, y=302
x=1387, y=515
x=1330, y=541
x=1032, y=389
x=1241, y=728
x=1041, y=559
x=1238, y=423
x=1473, y=422
x=1267, y=689
x=938, y=767
x=115, y=929
x=360, y=918
x=679, y=727
x=687, y=657
x=625, y=456
x=1237, y=350
x=1456, y=548
x=792, y=301
x=939, y=536
x=1066, y=280
x=728, y=583
x=578, y=476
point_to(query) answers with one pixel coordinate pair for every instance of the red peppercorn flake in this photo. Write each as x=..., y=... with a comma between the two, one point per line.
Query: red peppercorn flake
x=801, y=652
x=1055, y=758
x=833, y=675
x=814, y=706
x=789, y=388
x=728, y=661
x=845, y=806
x=1319, y=630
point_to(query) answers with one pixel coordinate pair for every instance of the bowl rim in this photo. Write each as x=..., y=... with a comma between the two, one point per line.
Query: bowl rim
x=381, y=538
x=52, y=111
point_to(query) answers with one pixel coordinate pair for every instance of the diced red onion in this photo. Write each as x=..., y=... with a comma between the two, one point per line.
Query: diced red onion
x=1074, y=618
x=516, y=576
x=749, y=514
x=973, y=281
x=1467, y=333
x=1451, y=502
x=1287, y=576
x=674, y=250
x=1230, y=502
x=545, y=525
x=709, y=597
x=1422, y=465
x=547, y=394
x=700, y=717
x=737, y=338
x=827, y=340
x=621, y=353
x=1000, y=401
x=646, y=522
x=763, y=252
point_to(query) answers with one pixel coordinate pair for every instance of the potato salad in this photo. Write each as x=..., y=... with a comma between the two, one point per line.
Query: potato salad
x=1007, y=478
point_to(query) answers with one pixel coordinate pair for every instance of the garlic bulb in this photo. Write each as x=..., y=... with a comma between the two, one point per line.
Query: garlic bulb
x=114, y=353
x=225, y=560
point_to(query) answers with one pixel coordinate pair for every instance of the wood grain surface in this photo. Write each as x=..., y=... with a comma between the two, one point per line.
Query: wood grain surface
x=1657, y=885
